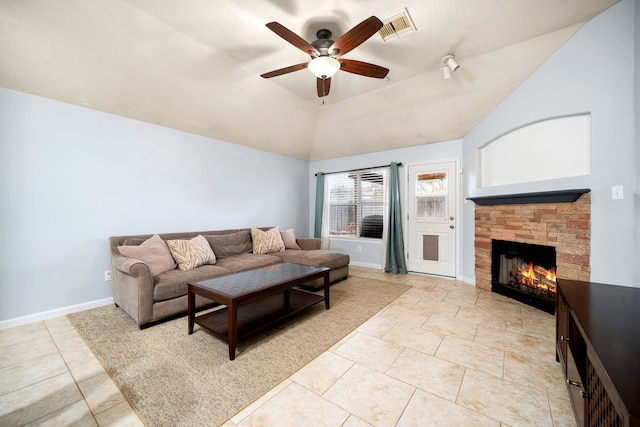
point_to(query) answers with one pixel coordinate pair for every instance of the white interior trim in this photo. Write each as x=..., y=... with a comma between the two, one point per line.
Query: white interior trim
x=45, y=315
x=366, y=264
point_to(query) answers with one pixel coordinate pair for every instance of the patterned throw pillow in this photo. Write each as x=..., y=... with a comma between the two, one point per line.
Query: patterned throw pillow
x=153, y=252
x=191, y=253
x=266, y=242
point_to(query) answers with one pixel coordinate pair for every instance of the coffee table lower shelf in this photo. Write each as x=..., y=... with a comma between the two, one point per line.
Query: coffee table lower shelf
x=260, y=314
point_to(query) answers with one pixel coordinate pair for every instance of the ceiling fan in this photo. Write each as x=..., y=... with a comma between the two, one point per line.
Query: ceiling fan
x=326, y=55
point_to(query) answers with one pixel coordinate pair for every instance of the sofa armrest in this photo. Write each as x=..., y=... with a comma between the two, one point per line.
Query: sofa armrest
x=308, y=243
x=132, y=287
x=130, y=266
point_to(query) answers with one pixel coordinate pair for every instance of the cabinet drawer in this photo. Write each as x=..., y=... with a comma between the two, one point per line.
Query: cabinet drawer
x=562, y=330
x=575, y=387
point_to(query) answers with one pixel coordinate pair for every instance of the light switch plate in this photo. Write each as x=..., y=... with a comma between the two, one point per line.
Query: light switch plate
x=617, y=192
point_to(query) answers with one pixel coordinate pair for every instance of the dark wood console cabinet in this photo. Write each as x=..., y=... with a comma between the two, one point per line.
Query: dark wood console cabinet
x=598, y=345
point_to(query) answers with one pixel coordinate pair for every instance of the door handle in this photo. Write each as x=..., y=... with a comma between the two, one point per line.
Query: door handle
x=451, y=218
x=451, y=227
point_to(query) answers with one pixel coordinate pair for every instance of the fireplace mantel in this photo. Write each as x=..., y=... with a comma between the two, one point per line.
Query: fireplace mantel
x=559, y=196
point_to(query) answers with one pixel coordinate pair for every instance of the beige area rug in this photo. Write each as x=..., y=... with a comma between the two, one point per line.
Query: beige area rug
x=175, y=379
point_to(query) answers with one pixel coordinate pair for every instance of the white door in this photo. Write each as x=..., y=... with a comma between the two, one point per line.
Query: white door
x=431, y=214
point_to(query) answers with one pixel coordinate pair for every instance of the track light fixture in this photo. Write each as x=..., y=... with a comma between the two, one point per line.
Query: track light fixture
x=450, y=65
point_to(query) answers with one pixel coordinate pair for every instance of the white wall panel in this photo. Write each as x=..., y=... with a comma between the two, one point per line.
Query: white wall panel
x=550, y=149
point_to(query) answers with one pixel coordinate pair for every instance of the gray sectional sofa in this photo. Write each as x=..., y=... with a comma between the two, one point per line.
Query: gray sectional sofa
x=149, y=298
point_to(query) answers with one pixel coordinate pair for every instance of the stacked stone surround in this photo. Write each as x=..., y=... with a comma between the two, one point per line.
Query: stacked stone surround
x=565, y=226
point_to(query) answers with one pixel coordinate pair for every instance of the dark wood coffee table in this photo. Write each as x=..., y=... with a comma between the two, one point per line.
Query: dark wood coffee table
x=255, y=299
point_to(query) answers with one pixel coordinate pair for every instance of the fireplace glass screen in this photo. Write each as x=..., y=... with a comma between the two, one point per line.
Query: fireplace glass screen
x=525, y=272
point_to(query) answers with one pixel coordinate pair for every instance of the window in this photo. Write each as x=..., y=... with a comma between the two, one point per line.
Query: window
x=356, y=203
x=431, y=196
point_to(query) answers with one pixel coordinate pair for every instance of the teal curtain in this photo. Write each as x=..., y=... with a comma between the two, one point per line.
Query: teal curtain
x=317, y=231
x=395, y=262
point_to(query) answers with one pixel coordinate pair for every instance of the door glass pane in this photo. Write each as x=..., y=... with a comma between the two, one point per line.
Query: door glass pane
x=431, y=191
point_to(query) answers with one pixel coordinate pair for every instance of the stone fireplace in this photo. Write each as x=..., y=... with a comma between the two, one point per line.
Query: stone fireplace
x=560, y=220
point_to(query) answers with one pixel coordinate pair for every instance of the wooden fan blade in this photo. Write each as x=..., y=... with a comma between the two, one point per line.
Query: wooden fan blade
x=284, y=70
x=363, y=68
x=355, y=36
x=323, y=86
x=293, y=38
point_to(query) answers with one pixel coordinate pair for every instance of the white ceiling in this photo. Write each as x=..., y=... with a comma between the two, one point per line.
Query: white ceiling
x=196, y=65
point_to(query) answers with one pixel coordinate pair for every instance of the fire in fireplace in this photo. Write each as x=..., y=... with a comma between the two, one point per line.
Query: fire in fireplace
x=525, y=272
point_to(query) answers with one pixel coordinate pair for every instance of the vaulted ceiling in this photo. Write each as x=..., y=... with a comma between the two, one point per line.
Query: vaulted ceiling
x=196, y=65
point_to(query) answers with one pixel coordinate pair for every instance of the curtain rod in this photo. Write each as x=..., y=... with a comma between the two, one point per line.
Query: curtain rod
x=361, y=169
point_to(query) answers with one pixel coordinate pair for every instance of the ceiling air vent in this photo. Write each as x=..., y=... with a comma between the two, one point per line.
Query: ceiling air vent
x=395, y=25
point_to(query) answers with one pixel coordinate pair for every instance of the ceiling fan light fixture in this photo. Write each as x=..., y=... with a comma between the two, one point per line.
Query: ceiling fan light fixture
x=324, y=67
x=324, y=51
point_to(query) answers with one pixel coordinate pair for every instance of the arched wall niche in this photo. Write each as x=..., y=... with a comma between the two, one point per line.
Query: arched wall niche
x=550, y=149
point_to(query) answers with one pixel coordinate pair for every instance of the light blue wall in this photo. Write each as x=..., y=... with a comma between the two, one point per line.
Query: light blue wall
x=71, y=177
x=594, y=73
x=372, y=254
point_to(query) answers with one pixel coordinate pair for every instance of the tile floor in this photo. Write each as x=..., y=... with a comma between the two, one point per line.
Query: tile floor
x=443, y=354
x=49, y=377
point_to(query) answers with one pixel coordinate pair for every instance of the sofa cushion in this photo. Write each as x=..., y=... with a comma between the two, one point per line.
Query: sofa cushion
x=191, y=253
x=308, y=243
x=173, y=283
x=153, y=252
x=315, y=258
x=248, y=262
x=230, y=244
x=266, y=242
x=289, y=239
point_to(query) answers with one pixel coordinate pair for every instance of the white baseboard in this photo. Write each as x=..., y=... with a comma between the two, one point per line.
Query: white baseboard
x=467, y=280
x=364, y=264
x=45, y=315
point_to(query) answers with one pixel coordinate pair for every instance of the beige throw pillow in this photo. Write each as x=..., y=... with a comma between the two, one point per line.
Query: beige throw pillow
x=289, y=239
x=153, y=252
x=191, y=253
x=266, y=242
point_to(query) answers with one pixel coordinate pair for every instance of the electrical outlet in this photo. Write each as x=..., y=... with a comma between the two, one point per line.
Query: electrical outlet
x=359, y=248
x=107, y=275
